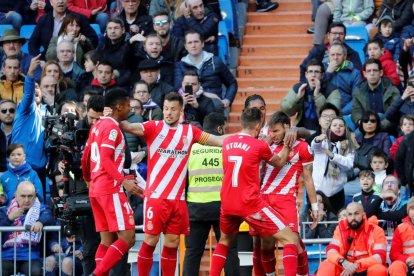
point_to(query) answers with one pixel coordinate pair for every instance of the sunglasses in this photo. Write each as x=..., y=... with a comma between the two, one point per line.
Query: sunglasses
x=370, y=120
x=10, y=110
x=160, y=22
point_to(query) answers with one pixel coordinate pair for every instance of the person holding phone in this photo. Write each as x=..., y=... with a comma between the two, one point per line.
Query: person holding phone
x=197, y=102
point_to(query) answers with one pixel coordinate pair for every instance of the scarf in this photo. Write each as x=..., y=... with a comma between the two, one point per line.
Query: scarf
x=150, y=104
x=23, y=238
x=20, y=170
x=335, y=138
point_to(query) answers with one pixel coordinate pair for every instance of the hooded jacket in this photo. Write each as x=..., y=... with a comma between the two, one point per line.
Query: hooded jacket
x=212, y=73
x=389, y=67
x=401, y=12
x=12, y=90
x=346, y=10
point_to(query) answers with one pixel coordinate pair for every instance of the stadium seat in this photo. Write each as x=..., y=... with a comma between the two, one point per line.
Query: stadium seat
x=4, y=27
x=223, y=42
x=26, y=32
x=357, y=37
x=97, y=30
x=314, y=253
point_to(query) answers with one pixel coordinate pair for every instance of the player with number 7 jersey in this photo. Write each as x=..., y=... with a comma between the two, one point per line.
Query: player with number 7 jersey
x=240, y=193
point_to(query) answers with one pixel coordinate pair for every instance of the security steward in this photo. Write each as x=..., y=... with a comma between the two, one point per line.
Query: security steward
x=205, y=175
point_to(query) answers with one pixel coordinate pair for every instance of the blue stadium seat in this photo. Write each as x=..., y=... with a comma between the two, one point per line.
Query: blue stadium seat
x=314, y=253
x=357, y=37
x=97, y=30
x=4, y=27
x=229, y=16
x=26, y=32
x=223, y=42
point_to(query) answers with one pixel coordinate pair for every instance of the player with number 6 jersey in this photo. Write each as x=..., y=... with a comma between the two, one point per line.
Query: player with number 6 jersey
x=240, y=194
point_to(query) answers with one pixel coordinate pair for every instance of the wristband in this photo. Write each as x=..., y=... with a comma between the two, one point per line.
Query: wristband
x=314, y=206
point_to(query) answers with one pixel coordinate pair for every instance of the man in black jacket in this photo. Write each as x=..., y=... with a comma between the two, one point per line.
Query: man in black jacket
x=404, y=161
x=49, y=26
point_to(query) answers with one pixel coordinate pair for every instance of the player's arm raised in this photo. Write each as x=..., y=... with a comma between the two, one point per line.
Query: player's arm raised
x=217, y=141
x=132, y=128
x=279, y=160
x=310, y=190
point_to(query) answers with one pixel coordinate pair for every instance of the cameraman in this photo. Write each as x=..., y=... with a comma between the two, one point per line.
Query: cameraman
x=90, y=239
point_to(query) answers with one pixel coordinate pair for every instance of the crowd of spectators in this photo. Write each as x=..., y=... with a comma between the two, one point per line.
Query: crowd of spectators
x=357, y=118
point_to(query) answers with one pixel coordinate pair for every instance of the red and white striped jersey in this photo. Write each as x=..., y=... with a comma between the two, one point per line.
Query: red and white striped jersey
x=168, y=152
x=284, y=181
x=105, y=133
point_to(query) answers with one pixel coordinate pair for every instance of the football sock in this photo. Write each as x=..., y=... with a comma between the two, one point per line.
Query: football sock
x=257, y=262
x=168, y=261
x=219, y=259
x=113, y=255
x=290, y=259
x=145, y=259
x=303, y=266
x=269, y=261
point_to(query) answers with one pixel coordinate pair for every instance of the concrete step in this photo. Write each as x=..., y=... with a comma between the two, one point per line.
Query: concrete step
x=293, y=60
x=298, y=27
x=281, y=16
x=267, y=93
x=295, y=5
x=278, y=39
x=271, y=82
x=278, y=49
x=268, y=71
x=238, y=105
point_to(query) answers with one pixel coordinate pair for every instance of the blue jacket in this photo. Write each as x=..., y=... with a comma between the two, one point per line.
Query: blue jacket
x=28, y=129
x=318, y=52
x=346, y=80
x=212, y=72
x=43, y=33
x=393, y=44
x=10, y=180
x=398, y=108
x=22, y=253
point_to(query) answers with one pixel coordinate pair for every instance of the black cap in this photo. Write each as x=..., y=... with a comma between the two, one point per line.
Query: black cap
x=148, y=64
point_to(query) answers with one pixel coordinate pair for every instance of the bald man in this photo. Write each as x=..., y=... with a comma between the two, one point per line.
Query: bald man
x=358, y=246
x=24, y=210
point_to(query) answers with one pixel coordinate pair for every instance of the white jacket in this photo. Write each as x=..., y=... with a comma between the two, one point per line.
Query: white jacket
x=330, y=184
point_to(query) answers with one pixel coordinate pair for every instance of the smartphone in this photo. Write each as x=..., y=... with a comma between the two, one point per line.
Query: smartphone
x=188, y=89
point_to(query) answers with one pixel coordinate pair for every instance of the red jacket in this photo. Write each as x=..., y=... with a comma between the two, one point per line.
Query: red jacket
x=394, y=147
x=389, y=67
x=85, y=7
x=402, y=245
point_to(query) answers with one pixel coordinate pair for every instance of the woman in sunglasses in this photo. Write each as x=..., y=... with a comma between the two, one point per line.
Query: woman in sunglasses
x=334, y=153
x=370, y=128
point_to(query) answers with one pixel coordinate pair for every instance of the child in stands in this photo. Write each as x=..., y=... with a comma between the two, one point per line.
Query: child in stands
x=379, y=164
x=406, y=126
x=367, y=194
x=390, y=40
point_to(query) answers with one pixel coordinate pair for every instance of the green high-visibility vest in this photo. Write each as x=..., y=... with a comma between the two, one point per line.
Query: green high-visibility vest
x=205, y=174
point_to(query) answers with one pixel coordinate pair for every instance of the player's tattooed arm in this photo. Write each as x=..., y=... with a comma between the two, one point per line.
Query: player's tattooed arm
x=132, y=128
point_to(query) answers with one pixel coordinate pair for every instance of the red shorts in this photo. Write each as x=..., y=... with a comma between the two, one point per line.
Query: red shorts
x=112, y=213
x=287, y=208
x=266, y=222
x=166, y=216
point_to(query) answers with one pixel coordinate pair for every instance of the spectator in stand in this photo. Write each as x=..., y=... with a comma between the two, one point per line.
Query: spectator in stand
x=7, y=115
x=9, y=13
x=151, y=110
x=70, y=31
x=24, y=210
x=379, y=164
x=402, y=253
x=401, y=12
x=28, y=127
x=35, y=10
x=371, y=133
x=353, y=13
x=197, y=103
x=342, y=74
x=355, y=235
x=404, y=161
x=66, y=58
x=116, y=49
x=211, y=70
x=103, y=81
x=49, y=27
x=198, y=18
x=92, y=59
x=65, y=85
x=149, y=70
x=336, y=34
x=11, y=82
x=367, y=184
x=403, y=105
x=376, y=94
x=375, y=50
x=320, y=230
x=334, y=153
x=136, y=18
x=18, y=171
x=305, y=99
x=391, y=40
x=342, y=214
x=151, y=48
x=325, y=115
x=12, y=46
x=94, y=10
x=172, y=46
x=406, y=127
x=390, y=206
x=405, y=59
